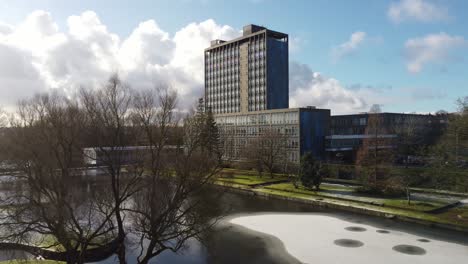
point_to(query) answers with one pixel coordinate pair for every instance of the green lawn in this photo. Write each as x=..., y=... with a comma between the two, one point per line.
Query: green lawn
x=251, y=173
x=458, y=215
x=446, y=218
x=414, y=205
x=248, y=180
x=245, y=177
x=49, y=242
x=326, y=190
x=347, y=193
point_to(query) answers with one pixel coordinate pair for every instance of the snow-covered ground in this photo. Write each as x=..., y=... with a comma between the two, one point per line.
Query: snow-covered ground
x=316, y=238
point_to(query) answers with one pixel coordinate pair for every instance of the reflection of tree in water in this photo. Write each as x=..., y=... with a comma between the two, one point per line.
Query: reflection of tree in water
x=164, y=221
x=234, y=244
x=157, y=191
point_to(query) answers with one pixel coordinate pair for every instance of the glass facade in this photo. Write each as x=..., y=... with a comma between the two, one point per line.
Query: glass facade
x=222, y=93
x=257, y=74
x=238, y=73
x=247, y=88
x=244, y=127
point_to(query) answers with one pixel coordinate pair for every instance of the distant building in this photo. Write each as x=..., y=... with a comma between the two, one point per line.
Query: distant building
x=125, y=155
x=304, y=129
x=249, y=73
x=347, y=132
x=247, y=88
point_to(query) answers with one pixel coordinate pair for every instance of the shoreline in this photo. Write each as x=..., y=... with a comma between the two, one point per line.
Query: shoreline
x=356, y=208
x=316, y=243
x=274, y=249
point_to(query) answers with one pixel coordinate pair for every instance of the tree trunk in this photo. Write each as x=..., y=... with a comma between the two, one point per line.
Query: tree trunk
x=73, y=257
x=121, y=240
x=408, y=195
x=148, y=255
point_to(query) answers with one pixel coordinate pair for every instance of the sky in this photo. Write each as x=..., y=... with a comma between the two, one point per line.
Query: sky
x=405, y=55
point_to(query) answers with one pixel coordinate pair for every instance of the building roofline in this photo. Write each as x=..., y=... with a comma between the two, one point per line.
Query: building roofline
x=383, y=113
x=263, y=31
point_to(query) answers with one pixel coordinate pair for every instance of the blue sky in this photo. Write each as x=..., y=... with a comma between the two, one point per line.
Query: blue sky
x=414, y=59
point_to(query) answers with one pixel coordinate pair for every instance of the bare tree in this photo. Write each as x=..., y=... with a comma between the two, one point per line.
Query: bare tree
x=3, y=118
x=458, y=130
x=376, y=149
x=227, y=143
x=452, y=147
x=411, y=134
x=267, y=150
x=291, y=171
x=110, y=134
x=173, y=204
x=50, y=207
x=3, y=129
x=155, y=168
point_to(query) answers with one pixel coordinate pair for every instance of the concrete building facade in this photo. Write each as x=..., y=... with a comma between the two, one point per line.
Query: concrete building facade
x=247, y=89
x=302, y=129
x=249, y=73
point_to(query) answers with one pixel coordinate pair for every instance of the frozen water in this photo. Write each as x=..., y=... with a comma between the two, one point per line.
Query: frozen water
x=318, y=238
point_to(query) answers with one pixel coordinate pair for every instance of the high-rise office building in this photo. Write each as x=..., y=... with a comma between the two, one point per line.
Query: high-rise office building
x=249, y=73
x=246, y=87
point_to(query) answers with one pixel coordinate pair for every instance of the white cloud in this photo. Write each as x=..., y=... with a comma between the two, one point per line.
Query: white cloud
x=37, y=55
x=296, y=44
x=5, y=28
x=432, y=48
x=193, y=39
x=349, y=47
x=146, y=45
x=416, y=10
x=312, y=88
x=18, y=76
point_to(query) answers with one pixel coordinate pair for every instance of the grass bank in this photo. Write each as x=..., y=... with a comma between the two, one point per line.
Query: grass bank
x=344, y=197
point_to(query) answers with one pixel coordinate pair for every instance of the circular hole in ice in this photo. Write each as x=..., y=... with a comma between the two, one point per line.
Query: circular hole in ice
x=344, y=242
x=424, y=240
x=381, y=231
x=409, y=249
x=355, y=229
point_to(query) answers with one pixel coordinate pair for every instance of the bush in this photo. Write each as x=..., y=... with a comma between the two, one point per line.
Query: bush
x=311, y=172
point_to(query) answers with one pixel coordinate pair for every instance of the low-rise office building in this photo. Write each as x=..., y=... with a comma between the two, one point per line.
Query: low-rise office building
x=347, y=132
x=302, y=129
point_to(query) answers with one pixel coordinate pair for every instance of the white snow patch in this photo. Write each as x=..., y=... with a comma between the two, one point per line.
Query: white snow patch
x=309, y=238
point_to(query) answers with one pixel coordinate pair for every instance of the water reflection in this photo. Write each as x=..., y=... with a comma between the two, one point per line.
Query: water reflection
x=230, y=243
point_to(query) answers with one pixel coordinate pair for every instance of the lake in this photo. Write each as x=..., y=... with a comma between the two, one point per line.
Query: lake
x=258, y=230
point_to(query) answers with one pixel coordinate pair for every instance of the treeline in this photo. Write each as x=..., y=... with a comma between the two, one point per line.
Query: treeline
x=153, y=203
x=443, y=164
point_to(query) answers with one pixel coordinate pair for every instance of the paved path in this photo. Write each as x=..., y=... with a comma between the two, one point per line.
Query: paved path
x=257, y=185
